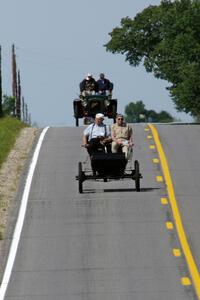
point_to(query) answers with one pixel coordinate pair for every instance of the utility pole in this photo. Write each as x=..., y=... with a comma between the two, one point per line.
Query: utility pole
x=23, y=110
x=14, y=77
x=26, y=113
x=1, y=109
x=18, y=100
x=29, y=119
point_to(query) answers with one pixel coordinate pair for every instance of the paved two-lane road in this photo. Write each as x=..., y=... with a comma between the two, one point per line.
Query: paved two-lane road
x=109, y=243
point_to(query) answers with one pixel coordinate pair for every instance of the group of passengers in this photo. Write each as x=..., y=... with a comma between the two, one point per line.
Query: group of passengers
x=102, y=86
x=98, y=135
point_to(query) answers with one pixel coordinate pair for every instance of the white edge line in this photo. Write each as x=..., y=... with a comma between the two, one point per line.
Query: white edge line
x=20, y=219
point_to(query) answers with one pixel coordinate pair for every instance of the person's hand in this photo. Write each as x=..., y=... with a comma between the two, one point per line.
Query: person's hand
x=131, y=144
x=107, y=140
x=85, y=145
x=119, y=141
x=101, y=138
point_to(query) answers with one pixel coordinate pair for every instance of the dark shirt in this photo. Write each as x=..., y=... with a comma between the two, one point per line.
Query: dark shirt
x=88, y=85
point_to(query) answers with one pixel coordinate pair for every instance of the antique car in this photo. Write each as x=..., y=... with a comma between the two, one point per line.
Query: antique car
x=88, y=106
x=108, y=166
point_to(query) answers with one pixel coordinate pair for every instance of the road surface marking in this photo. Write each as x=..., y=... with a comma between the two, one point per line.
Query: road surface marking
x=152, y=147
x=185, y=281
x=194, y=272
x=169, y=225
x=159, y=178
x=149, y=137
x=176, y=252
x=155, y=160
x=164, y=201
x=20, y=219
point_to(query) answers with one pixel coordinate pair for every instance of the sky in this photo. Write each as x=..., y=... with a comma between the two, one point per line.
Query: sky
x=58, y=42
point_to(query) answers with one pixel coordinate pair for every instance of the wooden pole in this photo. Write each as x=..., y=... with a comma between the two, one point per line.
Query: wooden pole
x=23, y=110
x=14, y=77
x=18, y=100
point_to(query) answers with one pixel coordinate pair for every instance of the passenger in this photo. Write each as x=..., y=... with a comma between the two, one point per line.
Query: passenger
x=97, y=135
x=104, y=86
x=122, y=136
x=88, y=84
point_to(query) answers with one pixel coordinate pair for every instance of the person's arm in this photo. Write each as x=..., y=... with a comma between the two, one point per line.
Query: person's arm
x=82, y=85
x=111, y=85
x=108, y=137
x=86, y=133
x=113, y=133
x=131, y=136
x=85, y=140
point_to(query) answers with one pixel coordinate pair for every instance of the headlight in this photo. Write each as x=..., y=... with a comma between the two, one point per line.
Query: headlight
x=84, y=103
x=106, y=102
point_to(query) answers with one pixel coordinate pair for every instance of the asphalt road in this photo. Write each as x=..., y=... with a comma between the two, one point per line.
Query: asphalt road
x=111, y=242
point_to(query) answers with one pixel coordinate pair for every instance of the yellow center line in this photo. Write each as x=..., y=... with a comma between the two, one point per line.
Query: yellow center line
x=194, y=272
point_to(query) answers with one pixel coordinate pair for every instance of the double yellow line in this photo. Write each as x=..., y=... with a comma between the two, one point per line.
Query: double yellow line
x=194, y=273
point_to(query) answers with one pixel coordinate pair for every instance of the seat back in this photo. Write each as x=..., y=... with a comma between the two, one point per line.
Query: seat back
x=112, y=164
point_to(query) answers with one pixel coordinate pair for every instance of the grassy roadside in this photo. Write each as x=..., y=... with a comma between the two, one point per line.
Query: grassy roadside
x=9, y=130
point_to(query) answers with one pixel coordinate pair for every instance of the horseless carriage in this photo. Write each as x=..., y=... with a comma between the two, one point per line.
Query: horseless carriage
x=88, y=106
x=108, y=166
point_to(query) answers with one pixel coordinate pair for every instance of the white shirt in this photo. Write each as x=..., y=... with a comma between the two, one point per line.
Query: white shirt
x=94, y=130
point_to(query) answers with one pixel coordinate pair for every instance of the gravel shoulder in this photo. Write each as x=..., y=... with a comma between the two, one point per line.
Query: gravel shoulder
x=10, y=175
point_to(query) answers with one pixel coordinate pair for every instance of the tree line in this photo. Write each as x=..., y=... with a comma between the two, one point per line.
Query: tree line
x=166, y=40
x=135, y=112
x=13, y=105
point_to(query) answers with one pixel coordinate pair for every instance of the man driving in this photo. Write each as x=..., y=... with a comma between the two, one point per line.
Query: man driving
x=96, y=135
x=88, y=85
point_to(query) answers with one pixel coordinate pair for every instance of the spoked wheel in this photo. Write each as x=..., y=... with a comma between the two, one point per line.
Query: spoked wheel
x=80, y=178
x=137, y=176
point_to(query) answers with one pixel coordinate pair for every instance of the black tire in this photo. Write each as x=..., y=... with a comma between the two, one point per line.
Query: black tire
x=80, y=178
x=76, y=115
x=137, y=176
x=77, y=122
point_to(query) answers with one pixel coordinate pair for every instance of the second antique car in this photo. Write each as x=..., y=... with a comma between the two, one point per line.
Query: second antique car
x=88, y=106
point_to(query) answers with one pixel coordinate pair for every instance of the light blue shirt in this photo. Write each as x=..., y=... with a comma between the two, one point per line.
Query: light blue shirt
x=94, y=130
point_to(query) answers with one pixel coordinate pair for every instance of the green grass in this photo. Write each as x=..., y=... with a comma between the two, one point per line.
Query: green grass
x=9, y=131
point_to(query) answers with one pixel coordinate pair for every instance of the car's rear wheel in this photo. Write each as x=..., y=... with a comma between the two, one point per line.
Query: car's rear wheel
x=77, y=122
x=137, y=176
x=76, y=114
x=80, y=178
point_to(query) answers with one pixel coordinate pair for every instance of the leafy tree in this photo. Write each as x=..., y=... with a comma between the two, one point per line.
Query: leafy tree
x=8, y=105
x=136, y=112
x=166, y=39
x=164, y=117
